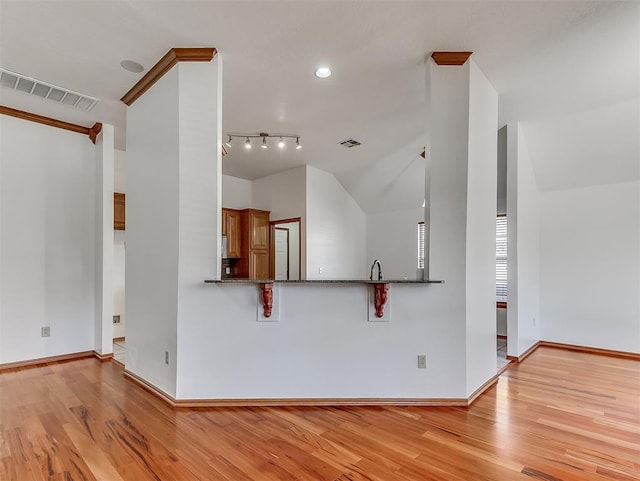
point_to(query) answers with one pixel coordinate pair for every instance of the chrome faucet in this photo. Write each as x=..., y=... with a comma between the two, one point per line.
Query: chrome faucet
x=379, y=270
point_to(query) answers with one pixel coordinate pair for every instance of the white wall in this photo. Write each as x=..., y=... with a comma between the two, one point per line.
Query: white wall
x=501, y=321
x=589, y=266
x=119, y=171
x=119, y=236
x=236, y=193
x=392, y=238
x=104, y=160
x=336, y=230
x=481, y=232
x=285, y=195
x=47, y=240
x=502, y=171
x=523, y=245
x=322, y=346
x=152, y=232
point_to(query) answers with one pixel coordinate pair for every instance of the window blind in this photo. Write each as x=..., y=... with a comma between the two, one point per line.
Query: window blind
x=501, y=259
x=420, y=245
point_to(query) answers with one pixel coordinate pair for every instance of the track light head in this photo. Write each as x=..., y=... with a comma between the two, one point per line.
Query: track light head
x=298, y=146
x=228, y=142
x=281, y=143
x=264, y=142
x=247, y=143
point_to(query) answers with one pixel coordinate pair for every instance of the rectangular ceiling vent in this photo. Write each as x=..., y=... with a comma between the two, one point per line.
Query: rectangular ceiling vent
x=350, y=143
x=47, y=91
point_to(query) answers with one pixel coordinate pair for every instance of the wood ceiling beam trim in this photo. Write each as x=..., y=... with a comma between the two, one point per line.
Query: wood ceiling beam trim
x=172, y=57
x=59, y=124
x=450, y=58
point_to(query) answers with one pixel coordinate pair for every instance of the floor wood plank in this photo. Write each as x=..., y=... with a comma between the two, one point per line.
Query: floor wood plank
x=559, y=415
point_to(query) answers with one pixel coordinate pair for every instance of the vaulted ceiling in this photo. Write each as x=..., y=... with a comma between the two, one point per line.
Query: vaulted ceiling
x=568, y=70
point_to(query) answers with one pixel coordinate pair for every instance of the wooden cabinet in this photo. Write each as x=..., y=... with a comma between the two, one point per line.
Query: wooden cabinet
x=252, y=225
x=118, y=211
x=258, y=229
x=259, y=264
x=225, y=215
x=231, y=227
x=247, y=234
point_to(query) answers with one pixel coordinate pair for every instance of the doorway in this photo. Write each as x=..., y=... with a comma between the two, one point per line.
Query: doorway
x=285, y=263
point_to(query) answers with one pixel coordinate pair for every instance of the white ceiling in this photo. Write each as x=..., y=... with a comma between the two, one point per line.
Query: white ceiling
x=547, y=60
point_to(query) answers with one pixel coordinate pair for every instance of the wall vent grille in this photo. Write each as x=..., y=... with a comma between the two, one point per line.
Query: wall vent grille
x=45, y=90
x=350, y=143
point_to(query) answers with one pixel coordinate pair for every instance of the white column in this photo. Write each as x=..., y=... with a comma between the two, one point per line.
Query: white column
x=523, y=246
x=104, y=154
x=173, y=212
x=463, y=118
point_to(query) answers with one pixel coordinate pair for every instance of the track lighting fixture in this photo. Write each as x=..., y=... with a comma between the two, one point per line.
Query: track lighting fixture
x=264, y=136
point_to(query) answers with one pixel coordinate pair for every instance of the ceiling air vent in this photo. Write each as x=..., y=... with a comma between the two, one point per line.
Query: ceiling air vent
x=350, y=143
x=47, y=91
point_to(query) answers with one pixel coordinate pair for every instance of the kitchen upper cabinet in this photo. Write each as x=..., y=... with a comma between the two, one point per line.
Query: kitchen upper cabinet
x=259, y=229
x=232, y=228
x=118, y=211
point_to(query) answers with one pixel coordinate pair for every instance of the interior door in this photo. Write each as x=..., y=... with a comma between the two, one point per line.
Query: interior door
x=281, y=253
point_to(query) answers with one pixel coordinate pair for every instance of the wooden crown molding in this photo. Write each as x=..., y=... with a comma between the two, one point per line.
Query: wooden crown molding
x=172, y=57
x=450, y=58
x=92, y=132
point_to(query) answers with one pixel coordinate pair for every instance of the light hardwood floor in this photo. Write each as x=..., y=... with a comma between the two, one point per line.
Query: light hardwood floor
x=559, y=415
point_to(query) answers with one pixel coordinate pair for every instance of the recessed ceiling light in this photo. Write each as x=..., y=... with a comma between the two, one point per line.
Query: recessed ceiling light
x=131, y=66
x=323, y=72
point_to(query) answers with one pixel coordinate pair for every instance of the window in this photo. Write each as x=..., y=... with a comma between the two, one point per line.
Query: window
x=420, y=245
x=501, y=261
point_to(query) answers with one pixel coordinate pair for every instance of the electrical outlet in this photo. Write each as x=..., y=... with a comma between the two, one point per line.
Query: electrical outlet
x=534, y=322
x=45, y=331
x=422, y=361
x=319, y=270
x=116, y=319
x=166, y=357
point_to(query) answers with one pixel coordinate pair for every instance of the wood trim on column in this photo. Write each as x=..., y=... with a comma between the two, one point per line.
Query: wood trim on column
x=59, y=124
x=525, y=354
x=103, y=357
x=94, y=131
x=172, y=57
x=481, y=390
x=279, y=402
x=450, y=58
x=170, y=400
